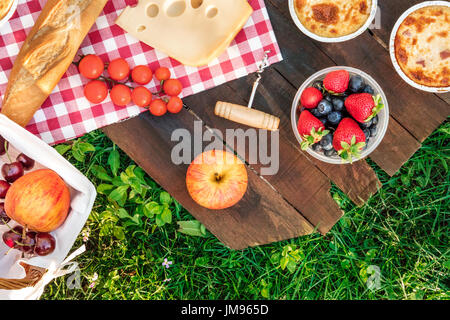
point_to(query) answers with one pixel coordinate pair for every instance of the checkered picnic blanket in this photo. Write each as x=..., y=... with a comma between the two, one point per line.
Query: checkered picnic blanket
x=66, y=114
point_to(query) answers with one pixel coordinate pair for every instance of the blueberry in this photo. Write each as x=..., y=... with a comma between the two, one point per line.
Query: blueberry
x=318, y=85
x=317, y=147
x=338, y=104
x=334, y=117
x=375, y=120
x=327, y=142
x=368, y=89
x=367, y=133
x=324, y=120
x=324, y=107
x=373, y=131
x=329, y=97
x=330, y=153
x=356, y=84
x=315, y=113
x=366, y=125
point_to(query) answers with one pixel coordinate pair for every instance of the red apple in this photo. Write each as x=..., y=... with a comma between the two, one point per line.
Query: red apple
x=217, y=179
x=39, y=200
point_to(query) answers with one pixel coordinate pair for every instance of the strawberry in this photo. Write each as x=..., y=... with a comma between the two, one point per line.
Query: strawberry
x=363, y=106
x=311, y=129
x=311, y=97
x=337, y=81
x=349, y=139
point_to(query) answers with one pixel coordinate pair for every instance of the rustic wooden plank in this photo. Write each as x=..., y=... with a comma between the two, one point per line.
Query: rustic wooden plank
x=298, y=180
x=263, y=216
x=406, y=104
x=275, y=96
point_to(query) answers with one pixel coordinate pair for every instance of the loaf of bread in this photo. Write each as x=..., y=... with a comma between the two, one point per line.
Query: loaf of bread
x=46, y=55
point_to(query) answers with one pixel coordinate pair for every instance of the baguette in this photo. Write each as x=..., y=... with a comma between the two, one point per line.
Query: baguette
x=46, y=55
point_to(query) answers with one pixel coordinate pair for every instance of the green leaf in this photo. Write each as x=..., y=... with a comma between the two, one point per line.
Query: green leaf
x=63, y=148
x=101, y=173
x=284, y=262
x=105, y=188
x=152, y=208
x=291, y=266
x=159, y=221
x=78, y=155
x=114, y=161
x=119, y=194
x=118, y=233
x=265, y=293
x=84, y=147
x=165, y=198
x=192, y=228
x=166, y=215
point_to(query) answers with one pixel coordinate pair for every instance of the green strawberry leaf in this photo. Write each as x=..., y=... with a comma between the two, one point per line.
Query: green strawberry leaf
x=379, y=105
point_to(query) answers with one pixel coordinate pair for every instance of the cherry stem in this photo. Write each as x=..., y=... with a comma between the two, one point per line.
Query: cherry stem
x=7, y=153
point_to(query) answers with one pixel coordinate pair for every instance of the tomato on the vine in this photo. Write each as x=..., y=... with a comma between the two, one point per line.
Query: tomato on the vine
x=118, y=69
x=120, y=95
x=96, y=91
x=162, y=74
x=158, y=107
x=142, y=75
x=175, y=105
x=141, y=96
x=172, y=87
x=91, y=66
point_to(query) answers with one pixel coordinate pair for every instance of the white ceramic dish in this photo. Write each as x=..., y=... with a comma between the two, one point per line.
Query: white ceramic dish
x=314, y=36
x=9, y=14
x=82, y=193
x=383, y=116
x=392, y=47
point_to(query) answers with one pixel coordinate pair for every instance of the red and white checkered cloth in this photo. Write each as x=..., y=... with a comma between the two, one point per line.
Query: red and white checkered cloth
x=66, y=114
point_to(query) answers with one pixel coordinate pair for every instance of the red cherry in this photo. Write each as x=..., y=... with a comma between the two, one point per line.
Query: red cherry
x=45, y=244
x=12, y=171
x=2, y=145
x=4, y=187
x=3, y=216
x=26, y=161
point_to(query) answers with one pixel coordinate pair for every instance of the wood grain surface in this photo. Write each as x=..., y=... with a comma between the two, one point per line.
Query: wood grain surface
x=296, y=201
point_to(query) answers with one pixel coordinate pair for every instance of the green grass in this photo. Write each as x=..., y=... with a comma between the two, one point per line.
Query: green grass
x=403, y=230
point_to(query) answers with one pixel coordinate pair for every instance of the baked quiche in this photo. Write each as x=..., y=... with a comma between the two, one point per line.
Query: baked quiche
x=5, y=6
x=422, y=46
x=333, y=18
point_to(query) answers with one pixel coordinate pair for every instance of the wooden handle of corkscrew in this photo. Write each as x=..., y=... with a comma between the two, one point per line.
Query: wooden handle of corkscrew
x=248, y=116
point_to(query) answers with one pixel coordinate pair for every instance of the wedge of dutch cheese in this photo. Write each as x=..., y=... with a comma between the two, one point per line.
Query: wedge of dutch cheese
x=194, y=32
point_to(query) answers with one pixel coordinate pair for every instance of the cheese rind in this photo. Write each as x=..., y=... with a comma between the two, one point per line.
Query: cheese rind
x=184, y=30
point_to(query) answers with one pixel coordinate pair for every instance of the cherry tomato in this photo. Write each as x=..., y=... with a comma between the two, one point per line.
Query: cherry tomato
x=158, y=107
x=162, y=73
x=118, y=69
x=141, y=96
x=142, y=75
x=120, y=95
x=91, y=66
x=175, y=105
x=96, y=91
x=172, y=87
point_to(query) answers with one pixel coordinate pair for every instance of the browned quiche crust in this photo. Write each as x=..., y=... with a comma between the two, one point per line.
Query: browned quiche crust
x=333, y=18
x=422, y=46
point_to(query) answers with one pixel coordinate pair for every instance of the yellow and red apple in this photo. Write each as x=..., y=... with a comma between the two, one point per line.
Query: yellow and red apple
x=217, y=179
x=39, y=200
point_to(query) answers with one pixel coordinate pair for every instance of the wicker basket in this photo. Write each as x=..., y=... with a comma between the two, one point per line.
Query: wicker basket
x=33, y=275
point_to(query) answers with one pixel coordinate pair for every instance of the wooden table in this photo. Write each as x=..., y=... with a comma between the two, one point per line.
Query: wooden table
x=297, y=200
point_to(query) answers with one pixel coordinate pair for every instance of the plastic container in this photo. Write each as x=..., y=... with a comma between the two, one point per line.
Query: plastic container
x=9, y=14
x=83, y=195
x=392, y=47
x=364, y=27
x=383, y=116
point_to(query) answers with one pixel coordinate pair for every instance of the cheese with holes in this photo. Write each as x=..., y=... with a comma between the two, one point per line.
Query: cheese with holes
x=5, y=6
x=194, y=32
